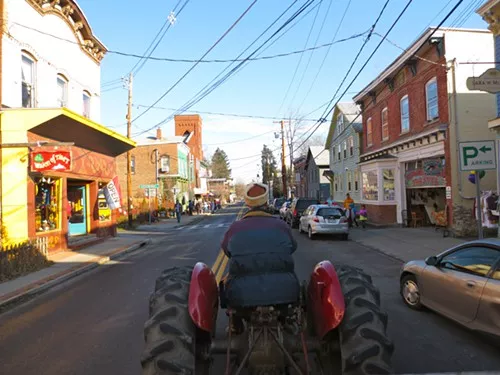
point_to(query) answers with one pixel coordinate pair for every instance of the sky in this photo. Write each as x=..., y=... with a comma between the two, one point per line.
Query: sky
x=291, y=86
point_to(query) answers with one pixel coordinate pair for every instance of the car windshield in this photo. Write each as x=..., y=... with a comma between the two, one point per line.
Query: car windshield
x=330, y=212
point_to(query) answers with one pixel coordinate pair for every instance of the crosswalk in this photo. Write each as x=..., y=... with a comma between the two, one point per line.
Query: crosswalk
x=203, y=226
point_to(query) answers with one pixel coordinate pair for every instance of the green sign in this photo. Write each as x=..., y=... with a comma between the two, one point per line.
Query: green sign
x=151, y=186
x=477, y=156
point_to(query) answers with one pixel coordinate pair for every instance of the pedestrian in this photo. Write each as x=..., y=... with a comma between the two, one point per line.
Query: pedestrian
x=178, y=210
x=363, y=216
x=353, y=214
x=347, y=202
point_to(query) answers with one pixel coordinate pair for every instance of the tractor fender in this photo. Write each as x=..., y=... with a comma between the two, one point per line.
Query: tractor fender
x=203, y=297
x=325, y=298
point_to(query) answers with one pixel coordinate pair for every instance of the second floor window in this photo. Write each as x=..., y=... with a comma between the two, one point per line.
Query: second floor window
x=86, y=104
x=345, y=149
x=339, y=150
x=369, y=133
x=385, y=124
x=28, y=81
x=350, y=141
x=431, y=97
x=405, y=114
x=165, y=164
x=62, y=91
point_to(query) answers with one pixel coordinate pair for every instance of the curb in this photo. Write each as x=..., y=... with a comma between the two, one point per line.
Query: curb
x=392, y=257
x=192, y=222
x=33, y=290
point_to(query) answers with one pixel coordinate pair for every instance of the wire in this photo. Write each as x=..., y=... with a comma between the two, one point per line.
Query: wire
x=196, y=64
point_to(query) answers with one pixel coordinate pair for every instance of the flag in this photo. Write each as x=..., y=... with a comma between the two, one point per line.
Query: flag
x=113, y=194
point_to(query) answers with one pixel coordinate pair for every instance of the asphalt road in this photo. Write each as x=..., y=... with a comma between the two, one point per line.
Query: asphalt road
x=93, y=325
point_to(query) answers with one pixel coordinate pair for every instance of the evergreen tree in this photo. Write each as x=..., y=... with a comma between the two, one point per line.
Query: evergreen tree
x=268, y=163
x=220, y=165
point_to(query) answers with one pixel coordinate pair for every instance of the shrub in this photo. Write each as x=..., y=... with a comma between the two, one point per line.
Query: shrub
x=21, y=259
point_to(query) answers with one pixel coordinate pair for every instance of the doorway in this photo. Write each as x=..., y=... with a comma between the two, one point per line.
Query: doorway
x=77, y=199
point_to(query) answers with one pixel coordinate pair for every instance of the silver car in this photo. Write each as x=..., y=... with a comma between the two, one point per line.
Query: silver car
x=462, y=283
x=324, y=219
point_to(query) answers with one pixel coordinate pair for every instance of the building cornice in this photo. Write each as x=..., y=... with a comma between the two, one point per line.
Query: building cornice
x=71, y=13
x=490, y=12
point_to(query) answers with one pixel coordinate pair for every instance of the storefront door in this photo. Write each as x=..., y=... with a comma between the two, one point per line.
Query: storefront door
x=78, y=218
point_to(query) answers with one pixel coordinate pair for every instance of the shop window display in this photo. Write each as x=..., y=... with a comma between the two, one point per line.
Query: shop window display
x=370, y=186
x=388, y=185
x=47, y=206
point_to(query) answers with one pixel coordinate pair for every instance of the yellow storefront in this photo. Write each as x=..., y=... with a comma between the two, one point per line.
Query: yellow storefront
x=45, y=199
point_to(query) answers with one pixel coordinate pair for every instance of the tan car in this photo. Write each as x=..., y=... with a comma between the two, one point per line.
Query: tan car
x=462, y=283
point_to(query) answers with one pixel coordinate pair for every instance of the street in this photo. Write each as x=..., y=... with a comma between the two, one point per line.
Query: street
x=94, y=324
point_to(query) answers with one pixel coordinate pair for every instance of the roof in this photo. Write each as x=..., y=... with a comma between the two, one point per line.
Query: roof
x=350, y=110
x=320, y=154
x=162, y=141
x=352, y=113
x=408, y=54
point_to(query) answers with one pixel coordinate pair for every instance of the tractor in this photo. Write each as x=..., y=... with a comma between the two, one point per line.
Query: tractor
x=335, y=327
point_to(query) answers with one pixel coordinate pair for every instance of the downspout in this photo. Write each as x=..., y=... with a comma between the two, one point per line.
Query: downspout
x=456, y=125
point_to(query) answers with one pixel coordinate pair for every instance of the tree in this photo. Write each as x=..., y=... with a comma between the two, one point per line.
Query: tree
x=239, y=188
x=268, y=163
x=220, y=165
x=315, y=140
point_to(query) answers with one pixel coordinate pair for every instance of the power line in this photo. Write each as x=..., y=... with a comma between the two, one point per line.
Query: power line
x=206, y=91
x=196, y=64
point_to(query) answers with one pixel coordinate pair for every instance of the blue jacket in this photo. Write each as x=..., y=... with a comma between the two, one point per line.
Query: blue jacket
x=261, y=267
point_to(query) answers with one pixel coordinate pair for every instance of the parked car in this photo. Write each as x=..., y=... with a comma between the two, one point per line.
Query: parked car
x=296, y=208
x=324, y=219
x=276, y=205
x=284, y=208
x=462, y=283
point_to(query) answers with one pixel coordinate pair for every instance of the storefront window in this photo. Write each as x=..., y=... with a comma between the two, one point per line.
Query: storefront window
x=370, y=186
x=47, y=204
x=388, y=184
x=102, y=204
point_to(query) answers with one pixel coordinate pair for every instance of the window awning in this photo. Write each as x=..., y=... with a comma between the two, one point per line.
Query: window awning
x=63, y=125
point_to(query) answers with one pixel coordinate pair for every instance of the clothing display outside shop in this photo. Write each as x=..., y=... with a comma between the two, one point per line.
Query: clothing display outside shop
x=47, y=191
x=489, y=209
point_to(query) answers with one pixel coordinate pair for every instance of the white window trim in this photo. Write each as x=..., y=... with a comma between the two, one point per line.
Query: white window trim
x=403, y=131
x=62, y=78
x=429, y=82
x=86, y=94
x=30, y=58
x=382, y=124
x=369, y=121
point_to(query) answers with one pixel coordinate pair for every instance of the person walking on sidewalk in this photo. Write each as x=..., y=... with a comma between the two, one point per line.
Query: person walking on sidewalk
x=178, y=210
x=363, y=216
x=352, y=215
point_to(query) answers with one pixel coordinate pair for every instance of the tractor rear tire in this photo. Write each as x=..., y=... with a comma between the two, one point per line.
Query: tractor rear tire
x=169, y=333
x=365, y=347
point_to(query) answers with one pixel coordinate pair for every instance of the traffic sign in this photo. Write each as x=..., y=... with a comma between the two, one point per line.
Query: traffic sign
x=477, y=156
x=489, y=81
x=151, y=186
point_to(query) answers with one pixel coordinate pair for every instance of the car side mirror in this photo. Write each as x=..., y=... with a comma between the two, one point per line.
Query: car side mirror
x=431, y=261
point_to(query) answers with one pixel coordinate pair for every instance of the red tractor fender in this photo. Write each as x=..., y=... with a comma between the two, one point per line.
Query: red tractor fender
x=203, y=297
x=326, y=300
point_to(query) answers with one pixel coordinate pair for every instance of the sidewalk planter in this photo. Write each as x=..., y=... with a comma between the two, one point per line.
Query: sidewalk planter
x=21, y=259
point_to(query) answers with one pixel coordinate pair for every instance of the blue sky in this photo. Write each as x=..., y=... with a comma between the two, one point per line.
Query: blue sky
x=259, y=88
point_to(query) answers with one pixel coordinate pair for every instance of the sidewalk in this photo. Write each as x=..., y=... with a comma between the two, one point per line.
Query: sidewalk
x=69, y=264
x=167, y=224
x=405, y=244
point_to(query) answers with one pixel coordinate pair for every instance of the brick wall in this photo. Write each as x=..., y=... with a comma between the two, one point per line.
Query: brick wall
x=192, y=123
x=381, y=215
x=414, y=87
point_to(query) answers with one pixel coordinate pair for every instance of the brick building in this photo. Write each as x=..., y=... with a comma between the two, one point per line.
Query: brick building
x=191, y=127
x=414, y=115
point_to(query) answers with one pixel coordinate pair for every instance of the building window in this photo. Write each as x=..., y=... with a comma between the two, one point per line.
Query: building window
x=340, y=123
x=350, y=141
x=165, y=164
x=102, y=204
x=62, y=91
x=356, y=180
x=369, y=132
x=385, y=124
x=345, y=149
x=28, y=81
x=388, y=184
x=349, y=181
x=86, y=104
x=431, y=95
x=370, y=186
x=339, y=151
x=405, y=114
x=332, y=152
x=132, y=164
x=47, y=204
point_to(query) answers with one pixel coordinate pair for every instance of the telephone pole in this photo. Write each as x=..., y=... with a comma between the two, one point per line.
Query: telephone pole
x=129, y=154
x=283, y=165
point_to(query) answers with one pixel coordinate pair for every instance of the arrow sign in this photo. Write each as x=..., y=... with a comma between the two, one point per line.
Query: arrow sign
x=477, y=156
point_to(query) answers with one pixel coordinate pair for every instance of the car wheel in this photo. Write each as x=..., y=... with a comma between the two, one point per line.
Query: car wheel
x=410, y=292
x=310, y=233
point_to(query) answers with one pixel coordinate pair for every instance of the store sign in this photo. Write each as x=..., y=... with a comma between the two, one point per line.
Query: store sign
x=42, y=161
x=489, y=81
x=431, y=174
x=112, y=193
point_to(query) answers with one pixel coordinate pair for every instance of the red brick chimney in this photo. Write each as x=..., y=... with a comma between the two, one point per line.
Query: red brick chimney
x=158, y=133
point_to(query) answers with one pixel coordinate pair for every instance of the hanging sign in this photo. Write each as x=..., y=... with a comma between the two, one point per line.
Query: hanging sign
x=113, y=193
x=42, y=161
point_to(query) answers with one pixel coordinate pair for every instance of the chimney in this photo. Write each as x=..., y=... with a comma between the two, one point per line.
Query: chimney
x=158, y=133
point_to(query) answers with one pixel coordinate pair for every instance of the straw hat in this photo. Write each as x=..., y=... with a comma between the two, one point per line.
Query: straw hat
x=256, y=194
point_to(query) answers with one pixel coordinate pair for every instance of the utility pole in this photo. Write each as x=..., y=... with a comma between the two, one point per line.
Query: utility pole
x=283, y=165
x=129, y=154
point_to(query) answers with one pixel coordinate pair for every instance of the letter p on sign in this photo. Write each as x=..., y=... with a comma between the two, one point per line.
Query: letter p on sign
x=469, y=153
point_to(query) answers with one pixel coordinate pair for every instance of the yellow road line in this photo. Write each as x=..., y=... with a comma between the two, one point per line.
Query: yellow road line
x=222, y=268
x=218, y=261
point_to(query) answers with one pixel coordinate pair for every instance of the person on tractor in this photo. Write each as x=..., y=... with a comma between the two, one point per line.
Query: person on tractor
x=261, y=267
